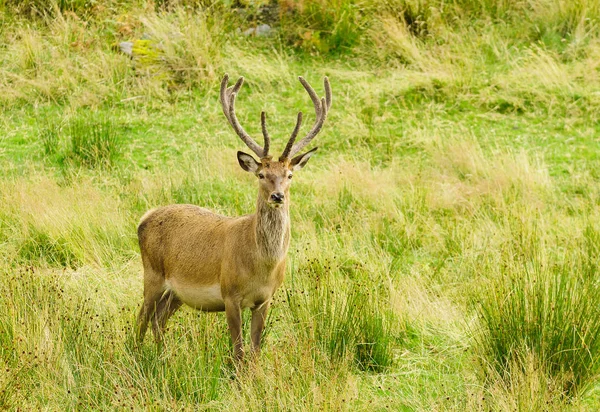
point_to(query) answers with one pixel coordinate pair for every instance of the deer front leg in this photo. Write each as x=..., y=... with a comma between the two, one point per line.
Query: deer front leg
x=233, y=312
x=259, y=315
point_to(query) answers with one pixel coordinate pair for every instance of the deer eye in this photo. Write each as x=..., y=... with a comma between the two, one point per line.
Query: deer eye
x=290, y=176
x=261, y=176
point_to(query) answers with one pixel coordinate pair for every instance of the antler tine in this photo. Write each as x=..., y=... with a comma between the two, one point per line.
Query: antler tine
x=263, y=124
x=225, y=93
x=227, y=96
x=222, y=96
x=327, y=92
x=252, y=145
x=321, y=107
x=321, y=115
x=290, y=143
x=311, y=92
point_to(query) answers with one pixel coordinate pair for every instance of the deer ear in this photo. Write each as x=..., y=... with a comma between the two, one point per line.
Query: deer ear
x=300, y=161
x=247, y=162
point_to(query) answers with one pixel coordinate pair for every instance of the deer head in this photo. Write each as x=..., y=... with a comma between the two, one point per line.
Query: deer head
x=275, y=175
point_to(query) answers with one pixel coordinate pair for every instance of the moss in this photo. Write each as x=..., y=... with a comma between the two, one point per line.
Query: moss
x=146, y=53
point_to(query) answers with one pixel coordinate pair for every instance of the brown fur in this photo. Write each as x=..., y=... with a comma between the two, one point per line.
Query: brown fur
x=186, y=247
x=214, y=263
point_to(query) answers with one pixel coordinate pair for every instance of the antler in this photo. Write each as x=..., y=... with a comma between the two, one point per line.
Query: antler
x=228, y=95
x=322, y=106
x=263, y=125
x=288, y=147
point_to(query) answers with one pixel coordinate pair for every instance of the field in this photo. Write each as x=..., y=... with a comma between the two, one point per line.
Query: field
x=445, y=237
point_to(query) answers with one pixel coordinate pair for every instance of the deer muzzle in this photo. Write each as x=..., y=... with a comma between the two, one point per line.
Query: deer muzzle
x=276, y=199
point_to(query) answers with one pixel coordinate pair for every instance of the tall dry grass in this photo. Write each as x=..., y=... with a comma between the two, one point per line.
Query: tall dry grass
x=67, y=60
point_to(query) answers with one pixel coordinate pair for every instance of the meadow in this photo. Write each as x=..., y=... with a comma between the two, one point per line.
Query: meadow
x=445, y=236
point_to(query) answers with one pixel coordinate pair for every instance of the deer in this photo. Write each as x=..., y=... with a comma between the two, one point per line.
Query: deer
x=216, y=263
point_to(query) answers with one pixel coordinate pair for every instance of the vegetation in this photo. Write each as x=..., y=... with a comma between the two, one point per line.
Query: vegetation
x=445, y=240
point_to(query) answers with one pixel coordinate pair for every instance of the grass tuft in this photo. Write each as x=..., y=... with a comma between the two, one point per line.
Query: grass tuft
x=347, y=322
x=95, y=141
x=40, y=249
x=323, y=26
x=50, y=137
x=182, y=48
x=548, y=314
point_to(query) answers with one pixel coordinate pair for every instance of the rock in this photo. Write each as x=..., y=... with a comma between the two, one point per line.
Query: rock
x=126, y=47
x=261, y=30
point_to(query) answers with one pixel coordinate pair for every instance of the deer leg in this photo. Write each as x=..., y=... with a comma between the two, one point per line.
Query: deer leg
x=233, y=312
x=153, y=290
x=166, y=307
x=259, y=315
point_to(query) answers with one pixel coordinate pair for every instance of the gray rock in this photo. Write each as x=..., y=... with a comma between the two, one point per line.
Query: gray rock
x=261, y=30
x=126, y=47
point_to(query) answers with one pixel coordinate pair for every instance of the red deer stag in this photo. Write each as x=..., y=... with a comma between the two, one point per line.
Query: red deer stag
x=214, y=263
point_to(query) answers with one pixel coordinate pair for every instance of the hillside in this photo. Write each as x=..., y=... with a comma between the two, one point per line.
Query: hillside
x=445, y=236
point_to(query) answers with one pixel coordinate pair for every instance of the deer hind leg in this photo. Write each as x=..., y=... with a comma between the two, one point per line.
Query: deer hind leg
x=165, y=308
x=154, y=287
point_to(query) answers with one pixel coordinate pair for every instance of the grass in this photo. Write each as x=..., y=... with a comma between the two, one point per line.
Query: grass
x=444, y=244
x=93, y=141
x=40, y=248
x=348, y=325
x=545, y=312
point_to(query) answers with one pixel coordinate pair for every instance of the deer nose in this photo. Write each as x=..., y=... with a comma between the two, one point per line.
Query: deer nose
x=277, y=197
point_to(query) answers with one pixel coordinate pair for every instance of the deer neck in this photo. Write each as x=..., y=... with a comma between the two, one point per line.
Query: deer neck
x=272, y=230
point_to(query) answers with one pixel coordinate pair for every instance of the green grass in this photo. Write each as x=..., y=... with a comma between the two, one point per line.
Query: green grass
x=41, y=249
x=94, y=141
x=444, y=241
x=347, y=322
x=545, y=310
